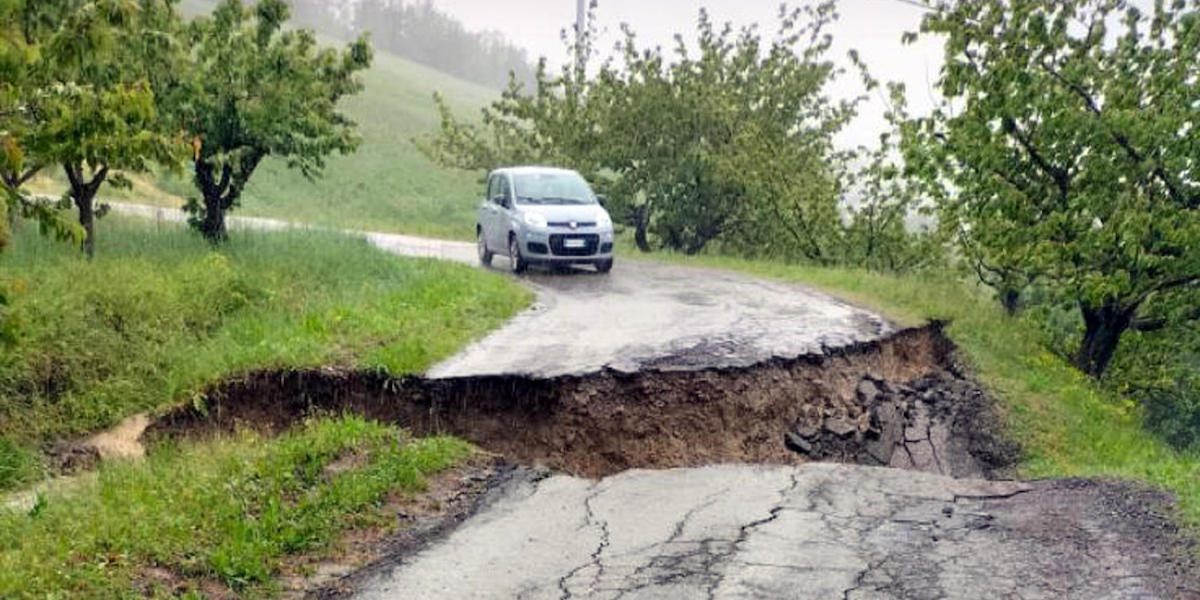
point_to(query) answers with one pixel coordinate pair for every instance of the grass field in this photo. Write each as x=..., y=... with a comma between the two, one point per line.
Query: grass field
x=387, y=185
x=158, y=315
x=1067, y=425
x=215, y=518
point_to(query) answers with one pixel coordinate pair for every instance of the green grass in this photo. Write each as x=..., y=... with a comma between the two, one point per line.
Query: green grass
x=159, y=315
x=387, y=185
x=230, y=511
x=1067, y=425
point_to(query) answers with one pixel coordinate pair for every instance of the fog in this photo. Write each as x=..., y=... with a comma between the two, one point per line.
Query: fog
x=873, y=27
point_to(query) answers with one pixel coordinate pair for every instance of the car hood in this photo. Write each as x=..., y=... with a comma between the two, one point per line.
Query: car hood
x=560, y=213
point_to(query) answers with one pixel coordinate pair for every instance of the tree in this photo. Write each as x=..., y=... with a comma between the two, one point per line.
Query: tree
x=1074, y=152
x=257, y=90
x=729, y=143
x=86, y=101
x=25, y=27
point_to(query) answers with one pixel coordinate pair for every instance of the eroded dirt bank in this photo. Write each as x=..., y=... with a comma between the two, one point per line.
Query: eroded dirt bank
x=896, y=401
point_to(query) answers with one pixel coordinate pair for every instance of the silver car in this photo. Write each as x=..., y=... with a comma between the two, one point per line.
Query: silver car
x=541, y=215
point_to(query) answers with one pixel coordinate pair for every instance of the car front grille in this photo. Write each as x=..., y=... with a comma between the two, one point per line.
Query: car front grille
x=558, y=244
x=567, y=224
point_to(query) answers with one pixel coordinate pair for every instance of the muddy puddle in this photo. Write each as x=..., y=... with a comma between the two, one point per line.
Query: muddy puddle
x=898, y=402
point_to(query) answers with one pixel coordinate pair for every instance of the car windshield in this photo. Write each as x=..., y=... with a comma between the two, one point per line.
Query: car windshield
x=552, y=188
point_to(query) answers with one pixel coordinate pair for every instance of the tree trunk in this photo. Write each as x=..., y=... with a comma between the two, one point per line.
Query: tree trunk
x=1011, y=300
x=640, y=224
x=87, y=218
x=1103, y=327
x=83, y=193
x=213, y=225
x=220, y=195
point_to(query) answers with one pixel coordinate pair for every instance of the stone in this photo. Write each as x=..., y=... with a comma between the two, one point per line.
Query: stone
x=805, y=430
x=867, y=392
x=890, y=431
x=797, y=444
x=840, y=427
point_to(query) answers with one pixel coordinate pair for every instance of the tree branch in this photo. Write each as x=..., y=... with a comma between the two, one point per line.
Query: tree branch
x=1192, y=202
x=1178, y=282
x=1148, y=324
x=1062, y=180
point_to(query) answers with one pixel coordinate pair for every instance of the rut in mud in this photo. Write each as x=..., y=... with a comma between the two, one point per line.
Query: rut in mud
x=897, y=401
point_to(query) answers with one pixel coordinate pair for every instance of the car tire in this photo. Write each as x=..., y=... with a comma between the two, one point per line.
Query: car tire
x=485, y=255
x=517, y=263
x=604, y=266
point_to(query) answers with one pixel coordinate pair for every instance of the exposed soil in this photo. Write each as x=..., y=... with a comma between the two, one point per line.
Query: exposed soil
x=781, y=412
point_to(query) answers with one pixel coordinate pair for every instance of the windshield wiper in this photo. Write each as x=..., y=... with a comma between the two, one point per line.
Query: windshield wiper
x=558, y=200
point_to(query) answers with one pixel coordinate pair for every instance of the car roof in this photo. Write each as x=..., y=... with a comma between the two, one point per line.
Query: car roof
x=532, y=169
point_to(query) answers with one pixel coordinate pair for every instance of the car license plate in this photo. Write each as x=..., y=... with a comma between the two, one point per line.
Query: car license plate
x=574, y=243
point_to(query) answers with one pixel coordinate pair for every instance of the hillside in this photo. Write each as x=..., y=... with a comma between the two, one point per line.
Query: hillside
x=387, y=185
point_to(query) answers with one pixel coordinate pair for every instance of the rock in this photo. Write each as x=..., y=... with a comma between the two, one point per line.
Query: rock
x=797, y=444
x=867, y=392
x=805, y=430
x=890, y=431
x=923, y=457
x=840, y=427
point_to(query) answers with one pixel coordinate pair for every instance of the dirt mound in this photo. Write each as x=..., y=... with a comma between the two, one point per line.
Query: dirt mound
x=607, y=422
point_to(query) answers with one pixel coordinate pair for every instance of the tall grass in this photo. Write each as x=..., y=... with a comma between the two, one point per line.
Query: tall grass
x=158, y=315
x=228, y=511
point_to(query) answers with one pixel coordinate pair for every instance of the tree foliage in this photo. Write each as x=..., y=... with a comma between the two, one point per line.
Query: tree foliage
x=256, y=89
x=19, y=123
x=1071, y=159
x=85, y=97
x=729, y=143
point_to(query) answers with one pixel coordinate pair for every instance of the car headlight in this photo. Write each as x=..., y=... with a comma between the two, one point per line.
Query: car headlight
x=604, y=221
x=535, y=220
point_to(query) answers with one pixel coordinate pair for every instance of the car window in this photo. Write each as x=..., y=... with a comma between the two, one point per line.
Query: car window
x=505, y=189
x=552, y=188
x=493, y=189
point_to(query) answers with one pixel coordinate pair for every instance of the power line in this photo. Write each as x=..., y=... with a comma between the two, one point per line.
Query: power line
x=917, y=4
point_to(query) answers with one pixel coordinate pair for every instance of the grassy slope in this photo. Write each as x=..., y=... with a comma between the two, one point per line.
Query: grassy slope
x=1067, y=426
x=158, y=315
x=214, y=518
x=387, y=185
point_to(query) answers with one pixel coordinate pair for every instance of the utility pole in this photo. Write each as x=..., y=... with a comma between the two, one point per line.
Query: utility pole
x=580, y=35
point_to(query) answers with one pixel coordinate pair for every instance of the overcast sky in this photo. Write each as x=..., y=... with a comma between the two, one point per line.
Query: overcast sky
x=873, y=27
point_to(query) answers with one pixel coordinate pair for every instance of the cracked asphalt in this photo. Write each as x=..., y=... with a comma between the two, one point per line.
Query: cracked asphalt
x=747, y=531
x=645, y=315
x=817, y=531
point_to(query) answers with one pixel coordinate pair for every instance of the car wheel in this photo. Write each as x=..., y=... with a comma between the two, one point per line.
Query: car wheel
x=485, y=255
x=604, y=266
x=516, y=262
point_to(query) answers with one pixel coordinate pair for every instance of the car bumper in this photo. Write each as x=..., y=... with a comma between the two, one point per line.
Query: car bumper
x=567, y=246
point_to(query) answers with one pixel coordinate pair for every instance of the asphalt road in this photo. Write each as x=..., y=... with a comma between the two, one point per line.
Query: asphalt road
x=641, y=314
x=820, y=531
x=744, y=531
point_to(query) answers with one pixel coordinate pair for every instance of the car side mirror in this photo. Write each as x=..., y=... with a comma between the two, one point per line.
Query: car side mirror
x=603, y=201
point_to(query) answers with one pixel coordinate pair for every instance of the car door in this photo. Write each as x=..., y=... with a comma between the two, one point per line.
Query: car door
x=502, y=205
x=487, y=212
